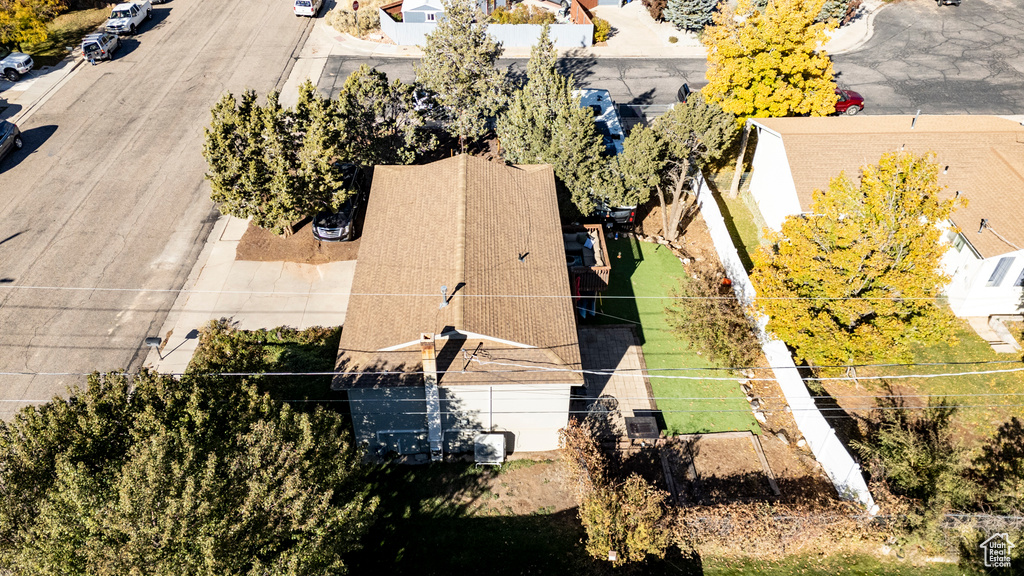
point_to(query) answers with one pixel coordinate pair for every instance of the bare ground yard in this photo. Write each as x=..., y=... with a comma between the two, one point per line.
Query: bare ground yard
x=261, y=245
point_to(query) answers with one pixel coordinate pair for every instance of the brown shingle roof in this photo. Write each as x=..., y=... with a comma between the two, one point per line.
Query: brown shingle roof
x=464, y=223
x=985, y=156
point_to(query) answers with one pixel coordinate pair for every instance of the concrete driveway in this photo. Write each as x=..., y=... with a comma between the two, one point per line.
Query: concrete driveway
x=252, y=294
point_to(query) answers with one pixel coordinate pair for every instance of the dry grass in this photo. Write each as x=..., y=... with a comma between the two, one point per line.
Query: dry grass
x=66, y=30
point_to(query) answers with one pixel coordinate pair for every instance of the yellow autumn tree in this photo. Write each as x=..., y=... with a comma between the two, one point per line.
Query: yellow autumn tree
x=765, y=62
x=24, y=21
x=855, y=280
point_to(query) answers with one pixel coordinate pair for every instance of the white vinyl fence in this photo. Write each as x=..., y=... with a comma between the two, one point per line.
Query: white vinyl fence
x=510, y=35
x=833, y=456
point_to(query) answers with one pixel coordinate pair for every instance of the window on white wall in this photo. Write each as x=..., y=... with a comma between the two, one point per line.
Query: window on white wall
x=430, y=17
x=1000, y=272
x=1020, y=279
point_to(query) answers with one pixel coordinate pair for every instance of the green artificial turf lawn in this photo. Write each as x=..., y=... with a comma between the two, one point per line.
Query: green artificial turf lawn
x=646, y=269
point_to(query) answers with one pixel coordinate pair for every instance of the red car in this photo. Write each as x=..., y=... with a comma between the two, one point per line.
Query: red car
x=849, y=102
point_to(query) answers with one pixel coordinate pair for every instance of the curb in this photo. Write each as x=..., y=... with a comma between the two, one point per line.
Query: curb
x=869, y=32
x=29, y=110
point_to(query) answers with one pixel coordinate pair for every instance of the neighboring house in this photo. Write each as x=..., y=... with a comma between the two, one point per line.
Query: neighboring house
x=461, y=291
x=982, y=160
x=414, y=11
x=419, y=17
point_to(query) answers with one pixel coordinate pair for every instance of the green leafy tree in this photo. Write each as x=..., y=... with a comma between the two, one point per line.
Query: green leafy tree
x=767, y=62
x=384, y=123
x=24, y=21
x=544, y=124
x=152, y=474
x=272, y=164
x=692, y=15
x=855, y=281
x=642, y=163
x=458, y=66
x=682, y=141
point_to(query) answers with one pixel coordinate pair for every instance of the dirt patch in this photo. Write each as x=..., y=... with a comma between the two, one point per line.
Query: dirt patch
x=302, y=247
x=526, y=487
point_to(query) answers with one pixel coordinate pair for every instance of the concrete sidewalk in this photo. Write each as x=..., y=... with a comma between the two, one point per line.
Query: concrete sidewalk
x=253, y=294
x=634, y=35
x=19, y=100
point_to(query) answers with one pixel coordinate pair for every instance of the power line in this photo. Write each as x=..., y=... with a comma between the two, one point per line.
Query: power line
x=462, y=295
x=528, y=369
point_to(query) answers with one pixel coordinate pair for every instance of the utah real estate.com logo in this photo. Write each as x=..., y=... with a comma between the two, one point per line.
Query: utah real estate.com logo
x=996, y=550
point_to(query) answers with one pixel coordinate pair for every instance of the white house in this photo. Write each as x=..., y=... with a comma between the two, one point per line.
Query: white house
x=422, y=11
x=982, y=159
x=460, y=320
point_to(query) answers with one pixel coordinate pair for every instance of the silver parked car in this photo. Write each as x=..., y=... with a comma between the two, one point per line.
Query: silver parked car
x=14, y=65
x=100, y=46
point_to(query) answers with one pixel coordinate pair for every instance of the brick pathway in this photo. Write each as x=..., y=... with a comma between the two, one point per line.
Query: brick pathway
x=615, y=347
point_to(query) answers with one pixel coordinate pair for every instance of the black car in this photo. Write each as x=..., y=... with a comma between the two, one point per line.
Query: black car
x=340, y=226
x=948, y=2
x=10, y=138
x=684, y=93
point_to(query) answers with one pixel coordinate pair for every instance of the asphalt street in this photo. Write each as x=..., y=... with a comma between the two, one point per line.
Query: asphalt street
x=966, y=59
x=108, y=191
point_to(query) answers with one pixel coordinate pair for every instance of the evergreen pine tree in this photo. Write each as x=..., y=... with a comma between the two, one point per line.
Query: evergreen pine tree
x=691, y=15
x=458, y=66
x=544, y=124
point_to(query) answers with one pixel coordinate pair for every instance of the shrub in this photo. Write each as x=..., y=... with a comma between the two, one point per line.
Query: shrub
x=655, y=7
x=345, y=21
x=602, y=29
x=834, y=11
x=628, y=519
x=521, y=14
x=672, y=39
x=711, y=319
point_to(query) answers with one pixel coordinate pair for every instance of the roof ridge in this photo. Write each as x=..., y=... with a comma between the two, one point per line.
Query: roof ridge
x=461, y=185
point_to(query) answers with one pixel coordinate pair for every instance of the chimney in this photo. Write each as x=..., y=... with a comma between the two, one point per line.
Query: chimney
x=428, y=353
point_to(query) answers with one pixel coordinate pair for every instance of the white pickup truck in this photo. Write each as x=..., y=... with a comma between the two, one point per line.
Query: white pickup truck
x=126, y=18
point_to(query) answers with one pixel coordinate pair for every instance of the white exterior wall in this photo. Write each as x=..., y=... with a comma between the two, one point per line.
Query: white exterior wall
x=532, y=413
x=771, y=183
x=394, y=419
x=969, y=293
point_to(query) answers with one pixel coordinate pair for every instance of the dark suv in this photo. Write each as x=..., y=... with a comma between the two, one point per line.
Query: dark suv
x=340, y=226
x=10, y=138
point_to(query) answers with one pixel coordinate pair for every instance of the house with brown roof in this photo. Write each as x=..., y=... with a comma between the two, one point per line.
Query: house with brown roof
x=982, y=159
x=460, y=320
